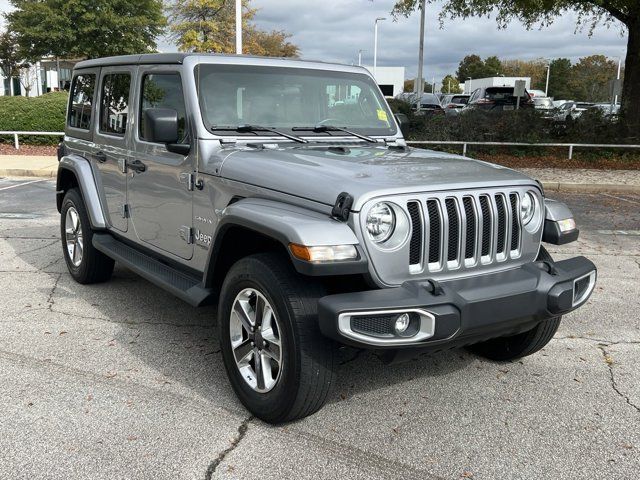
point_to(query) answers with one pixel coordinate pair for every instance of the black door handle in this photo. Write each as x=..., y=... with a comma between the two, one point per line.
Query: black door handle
x=100, y=156
x=137, y=166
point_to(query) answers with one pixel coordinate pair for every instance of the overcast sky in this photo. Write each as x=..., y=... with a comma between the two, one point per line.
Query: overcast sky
x=334, y=30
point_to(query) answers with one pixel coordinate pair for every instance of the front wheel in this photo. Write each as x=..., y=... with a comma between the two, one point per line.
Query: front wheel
x=522, y=344
x=279, y=364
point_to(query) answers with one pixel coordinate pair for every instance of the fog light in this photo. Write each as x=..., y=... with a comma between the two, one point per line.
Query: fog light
x=402, y=323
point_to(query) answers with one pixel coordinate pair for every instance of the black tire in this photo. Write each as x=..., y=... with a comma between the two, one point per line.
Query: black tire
x=308, y=366
x=94, y=266
x=522, y=344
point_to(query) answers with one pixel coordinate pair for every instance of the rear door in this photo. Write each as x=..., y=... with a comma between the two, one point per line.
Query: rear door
x=112, y=149
x=161, y=195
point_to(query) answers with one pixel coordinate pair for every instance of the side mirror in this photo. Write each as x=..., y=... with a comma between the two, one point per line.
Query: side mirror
x=161, y=125
x=402, y=119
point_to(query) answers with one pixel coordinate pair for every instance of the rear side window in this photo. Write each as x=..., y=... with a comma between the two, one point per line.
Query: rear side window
x=114, y=103
x=163, y=91
x=460, y=100
x=498, y=93
x=81, y=104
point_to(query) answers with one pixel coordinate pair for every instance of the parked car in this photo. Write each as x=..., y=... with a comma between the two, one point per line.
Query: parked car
x=570, y=111
x=406, y=97
x=453, y=103
x=607, y=109
x=497, y=99
x=429, y=104
x=308, y=222
x=544, y=105
x=536, y=93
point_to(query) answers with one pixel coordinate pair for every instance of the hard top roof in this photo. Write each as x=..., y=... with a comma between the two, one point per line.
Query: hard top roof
x=179, y=58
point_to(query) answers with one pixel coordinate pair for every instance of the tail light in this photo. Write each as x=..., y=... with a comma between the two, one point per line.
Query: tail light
x=485, y=101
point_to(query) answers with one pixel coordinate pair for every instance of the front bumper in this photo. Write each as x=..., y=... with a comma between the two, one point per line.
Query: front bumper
x=460, y=312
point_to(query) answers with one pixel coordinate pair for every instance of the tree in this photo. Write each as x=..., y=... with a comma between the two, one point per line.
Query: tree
x=209, y=26
x=450, y=84
x=472, y=66
x=10, y=58
x=535, y=12
x=85, y=28
x=559, y=76
x=535, y=69
x=590, y=78
x=409, y=86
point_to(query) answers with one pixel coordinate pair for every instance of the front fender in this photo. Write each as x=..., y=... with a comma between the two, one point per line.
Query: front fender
x=80, y=168
x=290, y=224
x=555, y=213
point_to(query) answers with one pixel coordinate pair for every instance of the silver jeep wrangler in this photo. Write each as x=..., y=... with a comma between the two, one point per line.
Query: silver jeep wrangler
x=284, y=192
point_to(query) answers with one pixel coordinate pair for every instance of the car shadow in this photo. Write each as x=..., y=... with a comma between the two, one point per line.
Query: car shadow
x=180, y=342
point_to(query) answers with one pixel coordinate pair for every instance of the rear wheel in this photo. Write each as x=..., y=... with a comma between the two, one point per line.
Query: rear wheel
x=85, y=263
x=522, y=344
x=278, y=362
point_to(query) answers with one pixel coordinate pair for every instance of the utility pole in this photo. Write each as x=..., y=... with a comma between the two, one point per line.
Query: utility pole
x=238, y=27
x=375, y=46
x=546, y=88
x=419, y=86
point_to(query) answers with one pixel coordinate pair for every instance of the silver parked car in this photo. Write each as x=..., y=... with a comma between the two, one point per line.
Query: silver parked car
x=283, y=192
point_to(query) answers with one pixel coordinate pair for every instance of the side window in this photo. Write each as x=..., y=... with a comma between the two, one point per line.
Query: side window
x=114, y=103
x=163, y=91
x=81, y=103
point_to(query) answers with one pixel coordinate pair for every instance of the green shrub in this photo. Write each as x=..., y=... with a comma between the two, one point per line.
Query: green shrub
x=44, y=114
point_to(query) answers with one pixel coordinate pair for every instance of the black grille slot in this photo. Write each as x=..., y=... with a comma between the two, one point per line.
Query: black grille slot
x=502, y=223
x=454, y=227
x=435, y=230
x=486, y=225
x=374, y=325
x=415, y=246
x=471, y=227
x=515, y=224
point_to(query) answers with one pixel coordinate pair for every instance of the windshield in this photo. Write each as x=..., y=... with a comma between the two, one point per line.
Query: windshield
x=285, y=98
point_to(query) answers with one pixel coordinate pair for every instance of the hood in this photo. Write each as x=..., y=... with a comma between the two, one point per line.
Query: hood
x=320, y=173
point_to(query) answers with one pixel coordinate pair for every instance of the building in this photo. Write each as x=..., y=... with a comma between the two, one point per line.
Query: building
x=389, y=79
x=46, y=75
x=474, y=83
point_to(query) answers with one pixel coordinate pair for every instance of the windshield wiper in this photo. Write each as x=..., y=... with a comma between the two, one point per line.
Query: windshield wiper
x=332, y=128
x=259, y=128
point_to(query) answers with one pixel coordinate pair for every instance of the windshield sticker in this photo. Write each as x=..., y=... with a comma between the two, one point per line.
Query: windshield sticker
x=382, y=115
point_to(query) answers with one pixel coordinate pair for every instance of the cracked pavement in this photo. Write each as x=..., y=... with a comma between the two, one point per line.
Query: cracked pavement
x=121, y=380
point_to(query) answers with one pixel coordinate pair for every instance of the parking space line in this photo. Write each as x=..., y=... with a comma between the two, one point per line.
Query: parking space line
x=24, y=183
x=620, y=198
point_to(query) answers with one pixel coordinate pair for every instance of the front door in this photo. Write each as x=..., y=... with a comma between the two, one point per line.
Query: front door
x=112, y=149
x=161, y=196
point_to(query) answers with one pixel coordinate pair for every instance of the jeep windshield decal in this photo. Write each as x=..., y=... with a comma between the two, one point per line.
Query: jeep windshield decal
x=283, y=100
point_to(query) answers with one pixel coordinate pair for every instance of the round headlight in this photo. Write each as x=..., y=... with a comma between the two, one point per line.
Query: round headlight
x=527, y=208
x=381, y=221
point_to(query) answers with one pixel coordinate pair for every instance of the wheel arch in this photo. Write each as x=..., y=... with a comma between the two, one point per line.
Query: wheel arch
x=252, y=226
x=75, y=171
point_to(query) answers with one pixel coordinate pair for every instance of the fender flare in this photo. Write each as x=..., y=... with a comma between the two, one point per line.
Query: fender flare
x=287, y=224
x=81, y=170
x=556, y=211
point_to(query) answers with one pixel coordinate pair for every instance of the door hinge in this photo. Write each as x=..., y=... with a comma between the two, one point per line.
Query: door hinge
x=124, y=210
x=186, y=233
x=190, y=180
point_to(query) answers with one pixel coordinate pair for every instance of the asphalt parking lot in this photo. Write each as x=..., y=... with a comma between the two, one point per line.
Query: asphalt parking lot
x=121, y=380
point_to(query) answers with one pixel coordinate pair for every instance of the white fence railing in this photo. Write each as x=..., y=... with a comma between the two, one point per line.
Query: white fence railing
x=16, y=142
x=570, y=146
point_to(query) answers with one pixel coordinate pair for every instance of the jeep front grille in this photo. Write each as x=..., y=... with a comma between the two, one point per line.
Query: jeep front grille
x=445, y=230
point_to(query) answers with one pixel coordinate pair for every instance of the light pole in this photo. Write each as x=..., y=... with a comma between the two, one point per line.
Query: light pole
x=375, y=46
x=546, y=88
x=469, y=84
x=238, y=27
x=360, y=57
x=419, y=86
x=615, y=100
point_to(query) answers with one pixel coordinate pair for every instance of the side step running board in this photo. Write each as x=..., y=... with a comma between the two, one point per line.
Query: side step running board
x=184, y=286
